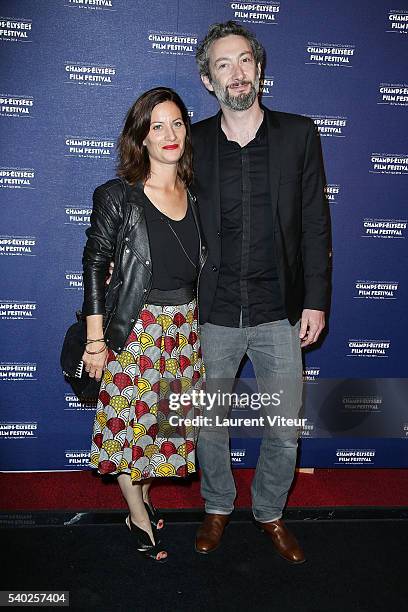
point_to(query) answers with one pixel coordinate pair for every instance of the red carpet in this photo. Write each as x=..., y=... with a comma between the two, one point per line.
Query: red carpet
x=86, y=490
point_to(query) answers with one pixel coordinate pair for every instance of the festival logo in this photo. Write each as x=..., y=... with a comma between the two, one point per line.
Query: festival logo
x=330, y=125
x=16, y=106
x=17, y=178
x=355, y=456
x=397, y=21
x=18, y=245
x=77, y=458
x=171, y=43
x=368, y=348
x=89, y=148
x=73, y=404
x=17, y=371
x=393, y=94
x=328, y=54
x=238, y=455
x=384, y=228
x=332, y=192
x=73, y=280
x=375, y=290
x=92, y=5
x=362, y=404
x=311, y=374
x=18, y=430
x=16, y=310
x=77, y=215
x=255, y=12
x=15, y=30
x=266, y=86
x=389, y=163
x=81, y=73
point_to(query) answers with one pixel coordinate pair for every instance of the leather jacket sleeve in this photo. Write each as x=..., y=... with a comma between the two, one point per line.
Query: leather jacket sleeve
x=99, y=251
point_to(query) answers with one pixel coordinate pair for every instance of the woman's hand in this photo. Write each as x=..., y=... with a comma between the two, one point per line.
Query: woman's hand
x=95, y=363
x=109, y=277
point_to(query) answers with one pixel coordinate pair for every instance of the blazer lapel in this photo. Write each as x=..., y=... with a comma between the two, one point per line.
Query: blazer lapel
x=274, y=157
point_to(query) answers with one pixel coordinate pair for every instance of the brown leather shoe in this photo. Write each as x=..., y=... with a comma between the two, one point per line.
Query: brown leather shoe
x=283, y=540
x=210, y=532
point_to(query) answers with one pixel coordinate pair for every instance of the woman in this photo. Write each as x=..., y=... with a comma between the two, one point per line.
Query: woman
x=142, y=335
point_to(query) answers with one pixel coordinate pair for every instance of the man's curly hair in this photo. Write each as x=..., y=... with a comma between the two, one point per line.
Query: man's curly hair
x=220, y=30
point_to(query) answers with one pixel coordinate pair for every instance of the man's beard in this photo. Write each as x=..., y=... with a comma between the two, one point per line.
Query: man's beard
x=237, y=103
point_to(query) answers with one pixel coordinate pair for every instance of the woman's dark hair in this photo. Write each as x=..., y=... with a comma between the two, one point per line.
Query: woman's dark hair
x=134, y=162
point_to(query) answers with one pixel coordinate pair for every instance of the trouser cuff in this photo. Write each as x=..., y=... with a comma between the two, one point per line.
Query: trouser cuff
x=267, y=520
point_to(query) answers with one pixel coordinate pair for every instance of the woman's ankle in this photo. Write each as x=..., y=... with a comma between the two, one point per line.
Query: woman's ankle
x=142, y=522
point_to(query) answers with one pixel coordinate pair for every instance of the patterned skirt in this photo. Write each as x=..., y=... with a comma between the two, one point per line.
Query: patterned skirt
x=131, y=431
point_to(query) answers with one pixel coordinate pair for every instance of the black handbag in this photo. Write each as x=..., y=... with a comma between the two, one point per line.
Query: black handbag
x=73, y=368
x=84, y=386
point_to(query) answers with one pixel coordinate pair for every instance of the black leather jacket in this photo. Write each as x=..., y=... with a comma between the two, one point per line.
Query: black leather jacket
x=118, y=233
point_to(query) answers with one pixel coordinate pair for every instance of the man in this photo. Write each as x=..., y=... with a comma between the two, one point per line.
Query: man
x=263, y=292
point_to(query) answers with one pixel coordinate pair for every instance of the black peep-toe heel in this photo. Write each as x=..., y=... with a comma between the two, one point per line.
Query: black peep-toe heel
x=143, y=542
x=154, y=515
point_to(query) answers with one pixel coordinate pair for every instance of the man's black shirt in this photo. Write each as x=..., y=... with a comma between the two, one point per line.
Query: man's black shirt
x=248, y=279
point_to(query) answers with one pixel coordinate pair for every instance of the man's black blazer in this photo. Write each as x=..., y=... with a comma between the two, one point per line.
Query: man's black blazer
x=298, y=206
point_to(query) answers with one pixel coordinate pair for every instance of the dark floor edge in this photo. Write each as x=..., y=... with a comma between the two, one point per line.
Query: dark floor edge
x=70, y=518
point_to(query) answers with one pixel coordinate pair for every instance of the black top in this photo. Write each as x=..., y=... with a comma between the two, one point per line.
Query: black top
x=248, y=291
x=171, y=266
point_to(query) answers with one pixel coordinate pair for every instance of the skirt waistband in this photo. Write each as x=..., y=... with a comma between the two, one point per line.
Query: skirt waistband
x=172, y=297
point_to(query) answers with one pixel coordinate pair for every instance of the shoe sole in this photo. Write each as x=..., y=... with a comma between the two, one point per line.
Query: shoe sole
x=290, y=560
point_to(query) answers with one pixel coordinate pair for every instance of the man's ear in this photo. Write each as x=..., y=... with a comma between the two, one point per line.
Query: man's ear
x=207, y=82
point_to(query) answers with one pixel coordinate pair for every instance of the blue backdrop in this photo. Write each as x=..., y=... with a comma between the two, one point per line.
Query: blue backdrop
x=69, y=71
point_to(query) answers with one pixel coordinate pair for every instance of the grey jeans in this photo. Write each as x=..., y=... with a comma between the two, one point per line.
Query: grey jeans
x=274, y=350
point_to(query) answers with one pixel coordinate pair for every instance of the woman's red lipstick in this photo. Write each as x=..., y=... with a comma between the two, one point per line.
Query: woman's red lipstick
x=172, y=146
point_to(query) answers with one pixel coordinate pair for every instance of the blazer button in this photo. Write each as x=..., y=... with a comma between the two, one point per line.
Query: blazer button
x=147, y=262
x=126, y=239
x=127, y=251
x=144, y=290
x=214, y=268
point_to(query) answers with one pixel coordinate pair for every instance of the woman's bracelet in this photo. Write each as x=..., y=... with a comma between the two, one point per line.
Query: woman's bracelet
x=88, y=341
x=96, y=352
